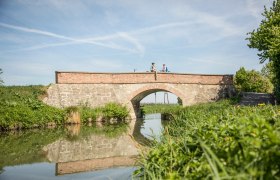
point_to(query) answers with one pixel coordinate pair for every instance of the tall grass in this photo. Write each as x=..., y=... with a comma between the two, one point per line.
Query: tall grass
x=217, y=141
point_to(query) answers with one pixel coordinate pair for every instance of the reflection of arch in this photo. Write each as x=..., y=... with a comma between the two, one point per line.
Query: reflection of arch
x=139, y=94
x=140, y=138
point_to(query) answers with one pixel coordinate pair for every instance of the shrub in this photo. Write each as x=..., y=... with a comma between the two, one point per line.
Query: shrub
x=252, y=81
x=89, y=114
x=116, y=111
x=109, y=111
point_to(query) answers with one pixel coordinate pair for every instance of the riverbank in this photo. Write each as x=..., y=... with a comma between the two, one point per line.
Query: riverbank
x=21, y=107
x=160, y=108
x=217, y=140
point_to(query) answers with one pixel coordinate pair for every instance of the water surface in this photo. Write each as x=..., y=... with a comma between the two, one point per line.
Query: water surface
x=76, y=152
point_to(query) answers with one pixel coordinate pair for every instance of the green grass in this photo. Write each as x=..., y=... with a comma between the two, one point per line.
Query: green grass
x=217, y=141
x=21, y=107
x=160, y=108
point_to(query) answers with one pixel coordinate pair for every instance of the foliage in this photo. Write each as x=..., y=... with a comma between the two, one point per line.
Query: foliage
x=179, y=101
x=160, y=108
x=88, y=113
x=109, y=111
x=252, y=81
x=217, y=141
x=267, y=71
x=71, y=109
x=1, y=81
x=267, y=40
x=21, y=108
x=114, y=110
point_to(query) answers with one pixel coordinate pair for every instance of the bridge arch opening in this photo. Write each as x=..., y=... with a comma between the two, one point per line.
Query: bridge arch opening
x=160, y=97
x=141, y=94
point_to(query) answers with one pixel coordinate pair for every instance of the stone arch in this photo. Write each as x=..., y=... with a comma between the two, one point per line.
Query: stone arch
x=142, y=92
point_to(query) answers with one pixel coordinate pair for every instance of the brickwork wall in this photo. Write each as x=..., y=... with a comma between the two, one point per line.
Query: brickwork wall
x=91, y=153
x=94, y=164
x=96, y=95
x=93, y=147
x=132, y=78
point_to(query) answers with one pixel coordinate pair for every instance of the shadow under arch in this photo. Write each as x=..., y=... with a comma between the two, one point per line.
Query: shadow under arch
x=141, y=93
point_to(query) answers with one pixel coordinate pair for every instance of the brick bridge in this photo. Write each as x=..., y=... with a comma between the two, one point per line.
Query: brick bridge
x=97, y=89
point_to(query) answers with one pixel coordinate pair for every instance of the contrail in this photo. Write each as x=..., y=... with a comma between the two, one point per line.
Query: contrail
x=138, y=46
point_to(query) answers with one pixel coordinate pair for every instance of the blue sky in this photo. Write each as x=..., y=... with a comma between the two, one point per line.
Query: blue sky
x=39, y=37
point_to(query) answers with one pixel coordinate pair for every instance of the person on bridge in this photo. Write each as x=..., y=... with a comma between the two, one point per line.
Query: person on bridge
x=153, y=67
x=164, y=68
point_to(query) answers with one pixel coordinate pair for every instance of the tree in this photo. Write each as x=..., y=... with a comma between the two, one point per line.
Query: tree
x=266, y=39
x=1, y=81
x=251, y=81
x=267, y=71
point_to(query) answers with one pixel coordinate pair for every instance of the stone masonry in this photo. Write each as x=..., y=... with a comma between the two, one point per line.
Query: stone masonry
x=91, y=153
x=97, y=89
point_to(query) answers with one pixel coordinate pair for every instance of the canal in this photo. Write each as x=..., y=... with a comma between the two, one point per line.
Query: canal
x=96, y=151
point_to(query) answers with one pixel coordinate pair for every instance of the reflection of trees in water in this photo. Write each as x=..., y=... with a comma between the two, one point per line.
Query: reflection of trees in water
x=25, y=147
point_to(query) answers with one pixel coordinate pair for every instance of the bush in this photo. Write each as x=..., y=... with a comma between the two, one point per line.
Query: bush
x=116, y=111
x=252, y=81
x=109, y=111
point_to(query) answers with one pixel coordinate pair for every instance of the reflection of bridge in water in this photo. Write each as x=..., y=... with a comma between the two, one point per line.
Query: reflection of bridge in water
x=93, y=164
x=95, y=151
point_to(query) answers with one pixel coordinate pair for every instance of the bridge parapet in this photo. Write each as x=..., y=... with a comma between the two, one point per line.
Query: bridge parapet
x=141, y=77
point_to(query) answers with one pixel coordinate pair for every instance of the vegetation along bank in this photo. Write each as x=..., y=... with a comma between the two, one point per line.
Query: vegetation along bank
x=216, y=141
x=22, y=107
